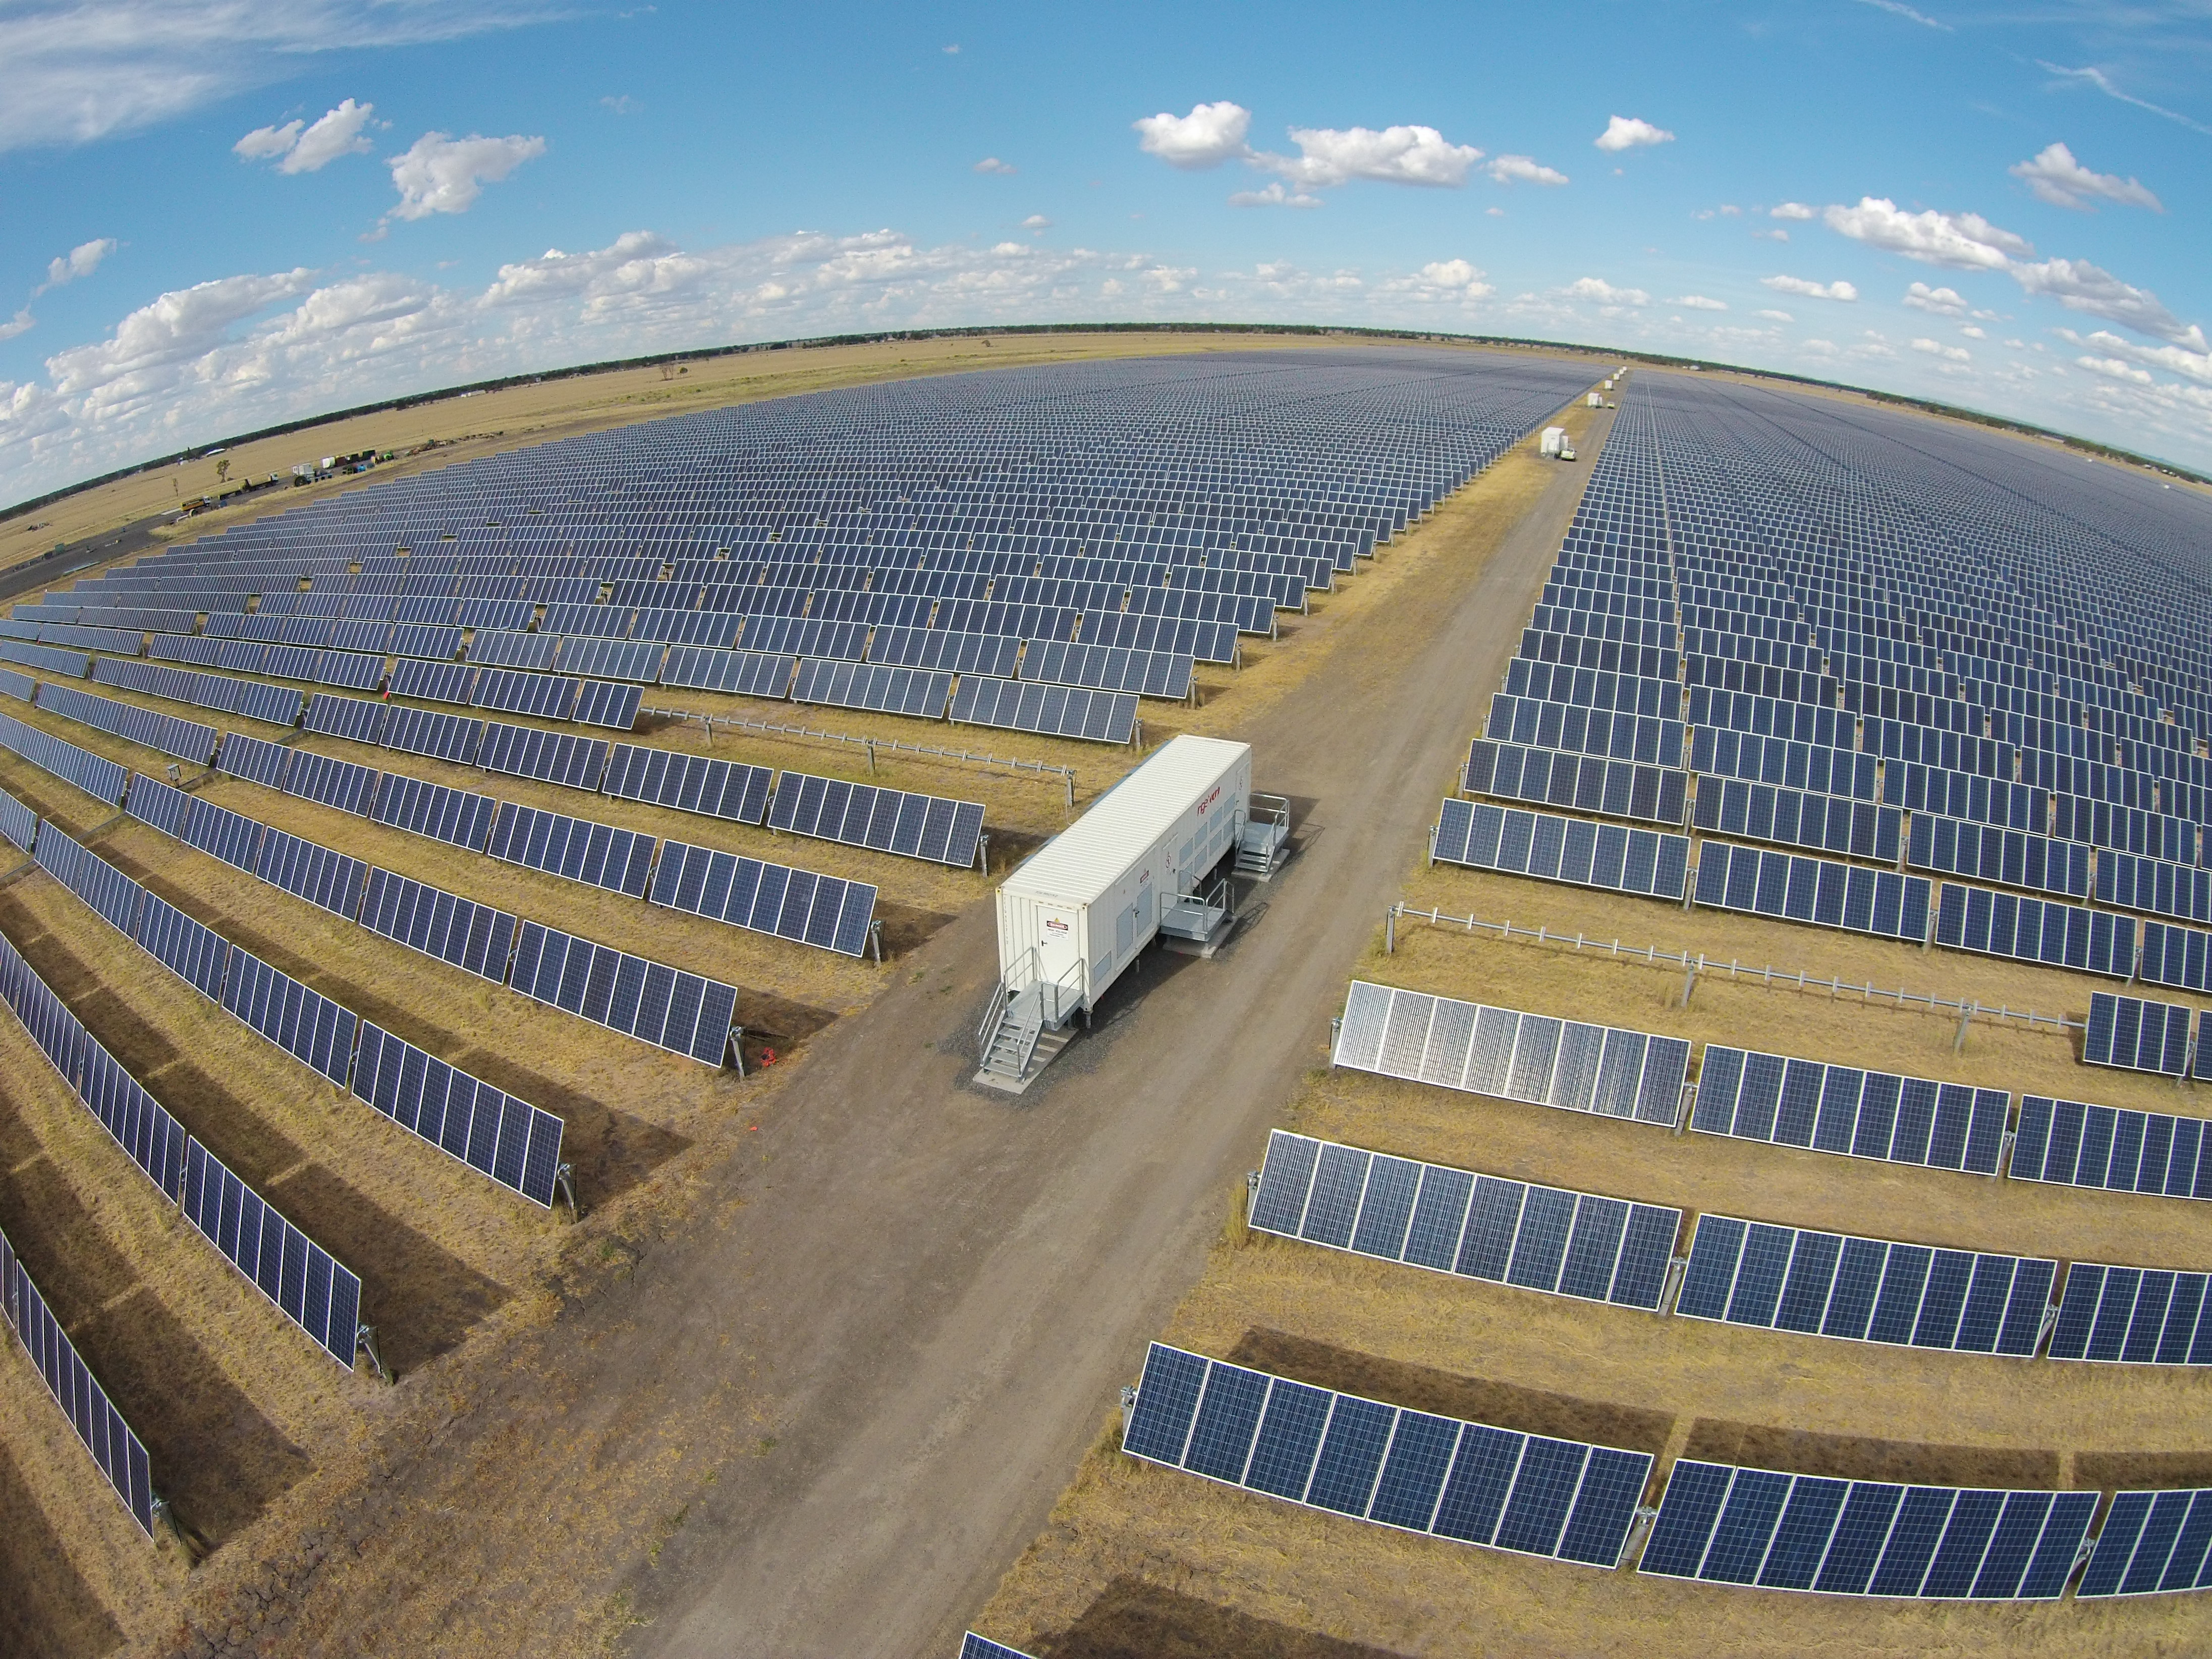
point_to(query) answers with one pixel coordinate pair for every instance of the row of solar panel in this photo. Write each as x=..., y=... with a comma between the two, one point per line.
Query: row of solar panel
x=1553, y=848
x=1582, y=783
x=1615, y=736
x=187, y=740
x=276, y=705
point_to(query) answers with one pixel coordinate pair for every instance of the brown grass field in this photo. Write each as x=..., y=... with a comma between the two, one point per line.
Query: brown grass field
x=256, y=1438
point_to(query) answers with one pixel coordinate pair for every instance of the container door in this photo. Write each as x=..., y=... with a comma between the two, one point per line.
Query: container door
x=1059, y=958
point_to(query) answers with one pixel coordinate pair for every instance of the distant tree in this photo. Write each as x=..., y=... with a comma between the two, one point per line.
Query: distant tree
x=221, y=471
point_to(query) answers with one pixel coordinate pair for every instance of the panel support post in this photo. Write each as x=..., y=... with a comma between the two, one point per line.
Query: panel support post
x=1390, y=931
x=364, y=1341
x=1335, y=1031
x=196, y=1548
x=876, y=940
x=738, y=1047
x=564, y=1177
x=1966, y=1012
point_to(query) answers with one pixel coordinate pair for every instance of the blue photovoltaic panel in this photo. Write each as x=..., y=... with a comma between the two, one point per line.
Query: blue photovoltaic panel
x=355, y=719
x=1580, y=783
x=767, y=898
x=453, y=738
x=1553, y=848
x=690, y=783
x=497, y=648
x=1051, y=711
x=2152, y=1543
x=2130, y=1033
x=351, y=670
x=890, y=820
x=493, y=1132
x=18, y=823
x=2036, y=930
x=313, y=1290
x=873, y=686
x=423, y=640
x=1497, y=1051
x=473, y=937
x=1618, y=734
x=1799, y=818
x=2010, y=858
x=1108, y=668
x=186, y=946
x=2174, y=956
x=561, y=757
x=994, y=655
x=97, y=776
x=74, y=664
x=1789, y=887
x=513, y=691
x=273, y=705
x=604, y=703
x=255, y=759
x=185, y=739
x=1558, y=1498
x=2133, y=1315
x=113, y=895
x=2068, y=1143
x=21, y=687
x=1428, y=1215
x=303, y=1022
x=973, y=1646
x=681, y=1013
x=231, y=836
x=160, y=804
x=1843, y=1109
x=742, y=673
x=1803, y=1532
x=453, y=816
x=330, y=880
x=432, y=682
x=1865, y=1290
x=342, y=784
x=620, y=861
x=99, y=1425
x=612, y=660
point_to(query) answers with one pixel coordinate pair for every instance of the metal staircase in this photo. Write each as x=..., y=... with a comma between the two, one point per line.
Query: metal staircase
x=1264, y=841
x=1025, y=1029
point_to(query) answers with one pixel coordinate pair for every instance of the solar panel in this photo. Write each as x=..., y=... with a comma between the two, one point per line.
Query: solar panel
x=1561, y=1499
x=18, y=823
x=1109, y=668
x=1582, y=783
x=353, y=719
x=1797, y=818
x=231, y=836
x=548, y=696
x=1865, y=1290
x=2068, y=1143
x=185, y=739
x=860, y=815
x=160, y=804
x=1052, y=711
x=612, y=660
x=1844, y=1109
x=620, y=861
x=2130, y=1033
x=2131, y=1316
x=605, y=703
x=1611, y=856
x=97, y=776
x=973, y=1646
x=309, y=1287
x=690, y=783
x=504, y=648
x=423, y=640
x=303, y=1022
x=453, y=738
x=2173, y=955
x=765, y=898
x=473, y=937
x=351, y=670
x=433, y=682
x=186, y=947
x=493, y=1132
x=453, y=815
x=873, y=686
x=2036, y=930
x=21, y=687
x=1615, y=734
x=742, y=673
x=2152, y=1543
x=1804, y=1531
x=99, y=1425
x=74, y=664
x=330, y=880
x=1430, y=1215
x=342, y=784
x=113, y=895
x=991, y=654
x=2011, y=858
x=255, y=759
x=561, y=757
x=1598, y=1069
x=1788, y=887
x=681, y=1013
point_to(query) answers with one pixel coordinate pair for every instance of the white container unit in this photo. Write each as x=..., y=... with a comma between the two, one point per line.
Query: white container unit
x=1074, y=915
x=1554, y=440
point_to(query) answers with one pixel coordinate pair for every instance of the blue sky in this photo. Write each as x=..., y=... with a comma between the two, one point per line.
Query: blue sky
x=219, y=213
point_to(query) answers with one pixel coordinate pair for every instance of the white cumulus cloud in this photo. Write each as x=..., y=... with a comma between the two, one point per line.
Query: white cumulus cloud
x=1811, y=291
x=1596, y=288
x=1628, y=131
x=1699, y=302
x=440, y=174
x=1778, y=316
x=2080, y=285
x=1941, y=302
x=1937, y=349
x=1395, y=156
x=2174, y=360
x=1790, y=210
x=1524, y=169
x=1442, y=280
x=2059, y=179
x=1210, y=135
x=298, y=148
x=80, y=261
x=1036, y=222
x=992, y=166
x=1275, y=194
x=1963, y=241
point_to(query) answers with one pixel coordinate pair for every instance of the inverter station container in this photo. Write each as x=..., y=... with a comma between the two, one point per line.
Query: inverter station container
x=1074, y=915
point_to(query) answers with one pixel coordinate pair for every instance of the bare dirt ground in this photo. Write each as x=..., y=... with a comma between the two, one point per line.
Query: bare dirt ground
x=620, y=1434
x=1138, y=1561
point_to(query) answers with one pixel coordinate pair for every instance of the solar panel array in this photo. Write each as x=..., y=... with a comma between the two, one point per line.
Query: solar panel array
x=1786, y=886
x=683, y=1013
x=2036, y=930
x=1585, y=783
x=2130, y=1033
x=475, y=938
x=187, y=740
x=97, y=776
x=311, y=1288
x=493, y=1132
x=2152, y=1543
x=1430, y=1215
x=1611, y=856
x=2069, y=1143
x=598, y=855
x=888, y=820
x=690, y=783
x=18, y=823
x=1495, y=1051
x=766, y=898
x=1803, y=1532
x=1848, y=1111
x=1562, y=1499
x=2132, y=1316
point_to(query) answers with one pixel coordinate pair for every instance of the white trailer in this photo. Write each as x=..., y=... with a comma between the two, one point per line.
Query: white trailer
x=1074, y=915
x=1554, y=440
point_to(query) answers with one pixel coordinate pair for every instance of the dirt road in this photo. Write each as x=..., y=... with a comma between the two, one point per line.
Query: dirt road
x=949, y=1378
